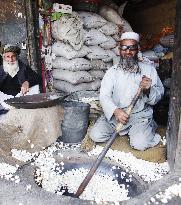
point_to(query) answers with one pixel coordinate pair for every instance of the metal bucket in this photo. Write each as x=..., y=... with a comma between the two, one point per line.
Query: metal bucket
x=75, y=122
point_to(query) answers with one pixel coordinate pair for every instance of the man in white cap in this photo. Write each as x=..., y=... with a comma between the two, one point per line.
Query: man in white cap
x=15, y=76
x=118, y=88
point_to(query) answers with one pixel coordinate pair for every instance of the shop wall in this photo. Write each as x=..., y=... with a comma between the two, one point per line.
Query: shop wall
x=13, y=24
x=150, y=17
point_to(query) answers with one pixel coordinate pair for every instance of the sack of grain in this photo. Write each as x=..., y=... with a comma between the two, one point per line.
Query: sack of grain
x=69, y=29
x=68, y=87
x=75, y=64
x=150, y=55
x=97, y=53
x=117, y=37
x=111, y=43
x=91, y=20
x=109, y=29
x=94, y=37
x=72, y=77
x=109, y=65
x=110, y=57
x=116, y=60
x=98, y=65
x=116, y=50
x=65, y=50
x=97, y=74
x=111, y=15
x=126, y=27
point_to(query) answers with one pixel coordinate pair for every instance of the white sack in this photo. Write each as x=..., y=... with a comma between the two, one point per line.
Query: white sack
x=97, y=53
x=65, y=50
x=72, y=77
x=91, y=20
x=116, y=50
x=68, y=87
x=117, y=37
x=110, y=57
x=111, y=15
x=72, y=65
x=111, y=43
x=69, y=29
x=126, y=26
x=97, y=74
x=109, y=29
x=109, y=65
x=98, y=65
x=150, y=55
x=94, y=37
x=116, y=60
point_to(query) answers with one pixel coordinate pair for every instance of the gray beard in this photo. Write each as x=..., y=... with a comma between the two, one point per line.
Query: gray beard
x=129, y=64
x=11, y=68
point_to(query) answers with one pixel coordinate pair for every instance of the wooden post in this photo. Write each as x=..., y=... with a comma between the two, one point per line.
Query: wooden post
x=32, y=34
x=32, y=25
x=174, y=123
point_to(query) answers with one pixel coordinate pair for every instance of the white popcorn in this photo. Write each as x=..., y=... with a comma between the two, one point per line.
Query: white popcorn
x=6, y=169
x=28, y=187
x=149, y=171
x=22, y=155
x=32, y=145
x=100, y=188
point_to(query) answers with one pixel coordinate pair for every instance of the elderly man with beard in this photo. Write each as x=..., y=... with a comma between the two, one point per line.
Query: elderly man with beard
x=15, y=77
x=118, y=88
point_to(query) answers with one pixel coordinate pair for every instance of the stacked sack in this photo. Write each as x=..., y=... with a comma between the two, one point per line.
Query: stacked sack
x=85, y=48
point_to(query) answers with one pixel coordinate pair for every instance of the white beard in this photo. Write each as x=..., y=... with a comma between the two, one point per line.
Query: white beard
x=11, y=68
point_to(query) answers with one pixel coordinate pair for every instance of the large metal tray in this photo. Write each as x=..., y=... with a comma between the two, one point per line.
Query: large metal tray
x=42, y=100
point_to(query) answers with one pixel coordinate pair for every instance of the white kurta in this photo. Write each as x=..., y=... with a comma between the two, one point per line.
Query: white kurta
x=117, y=91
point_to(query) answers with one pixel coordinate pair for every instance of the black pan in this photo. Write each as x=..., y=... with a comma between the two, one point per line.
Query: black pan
x=42, y=100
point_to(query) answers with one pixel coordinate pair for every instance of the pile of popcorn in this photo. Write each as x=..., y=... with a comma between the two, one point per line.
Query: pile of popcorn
x=148, y=171
x=52, y=176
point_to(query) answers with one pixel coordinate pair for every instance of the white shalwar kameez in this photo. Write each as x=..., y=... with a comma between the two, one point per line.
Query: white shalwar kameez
x=118, y=88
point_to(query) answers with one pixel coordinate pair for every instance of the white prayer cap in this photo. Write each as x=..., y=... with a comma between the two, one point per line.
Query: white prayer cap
x=130, y=35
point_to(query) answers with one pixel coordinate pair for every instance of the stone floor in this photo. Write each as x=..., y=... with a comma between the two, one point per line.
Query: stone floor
x=17, y=194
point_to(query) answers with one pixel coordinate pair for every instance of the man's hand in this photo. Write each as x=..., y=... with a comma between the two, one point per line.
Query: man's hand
x=121, y=115
x=25, y=87
x=145, y=83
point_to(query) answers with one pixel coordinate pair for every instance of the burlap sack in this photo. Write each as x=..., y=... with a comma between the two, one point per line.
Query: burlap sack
x=29, y=129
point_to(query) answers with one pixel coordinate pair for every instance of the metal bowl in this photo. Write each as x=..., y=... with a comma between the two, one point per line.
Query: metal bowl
x=42, y=100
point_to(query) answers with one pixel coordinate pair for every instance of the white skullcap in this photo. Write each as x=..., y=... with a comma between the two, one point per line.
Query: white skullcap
x=130, y=35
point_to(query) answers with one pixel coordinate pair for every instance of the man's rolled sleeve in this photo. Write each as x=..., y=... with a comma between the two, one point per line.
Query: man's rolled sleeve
x=156, y=92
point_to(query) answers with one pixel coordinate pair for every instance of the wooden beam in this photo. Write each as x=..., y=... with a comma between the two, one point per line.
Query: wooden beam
x=32, y=34
x=174, y=124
